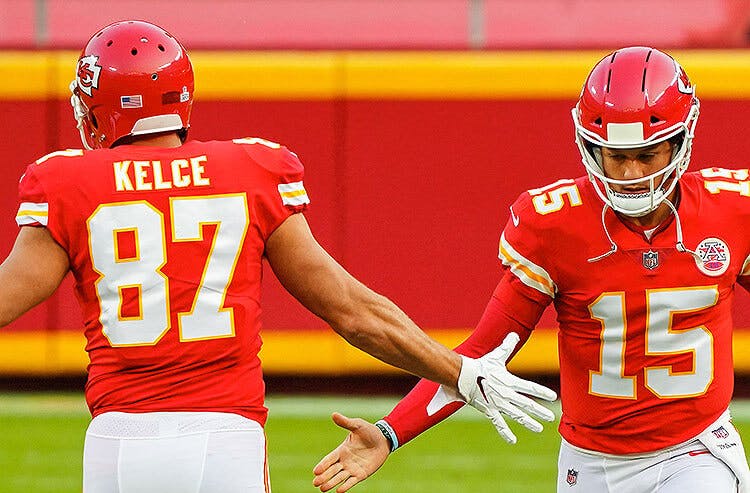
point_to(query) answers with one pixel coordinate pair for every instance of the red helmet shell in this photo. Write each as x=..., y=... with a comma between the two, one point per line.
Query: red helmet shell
x=133, y=78
x=643, y=88
x=636, y=97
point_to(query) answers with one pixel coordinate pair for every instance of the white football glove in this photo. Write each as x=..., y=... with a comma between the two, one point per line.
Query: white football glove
x=485, y=384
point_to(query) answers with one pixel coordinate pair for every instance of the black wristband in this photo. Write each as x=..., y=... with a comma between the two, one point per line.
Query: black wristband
x=388, y=433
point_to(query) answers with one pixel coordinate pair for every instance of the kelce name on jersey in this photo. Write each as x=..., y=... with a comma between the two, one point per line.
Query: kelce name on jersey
x=151, y=175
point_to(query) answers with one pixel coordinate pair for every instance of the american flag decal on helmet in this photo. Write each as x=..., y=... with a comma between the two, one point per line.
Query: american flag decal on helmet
x=135, y=101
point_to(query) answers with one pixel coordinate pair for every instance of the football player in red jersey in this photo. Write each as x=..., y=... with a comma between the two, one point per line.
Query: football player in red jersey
x=641, y=260
x=165, y=238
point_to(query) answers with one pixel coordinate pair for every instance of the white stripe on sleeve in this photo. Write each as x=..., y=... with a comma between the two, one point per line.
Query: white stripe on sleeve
x=293, y=193
x=527, y=271
x=32, y=213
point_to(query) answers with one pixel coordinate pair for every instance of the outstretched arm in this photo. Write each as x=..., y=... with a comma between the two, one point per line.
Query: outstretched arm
x=366, y=447
x=375, y=325
x=34, y=269
x=364, y=318
x=363, y=451
x=512, y=308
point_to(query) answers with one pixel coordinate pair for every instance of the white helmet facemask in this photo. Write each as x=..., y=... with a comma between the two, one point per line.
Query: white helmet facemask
x=80, y=113
x=626, y=136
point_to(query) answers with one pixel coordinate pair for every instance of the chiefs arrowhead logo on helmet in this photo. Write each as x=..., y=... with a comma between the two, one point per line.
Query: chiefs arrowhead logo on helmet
x=88, y=74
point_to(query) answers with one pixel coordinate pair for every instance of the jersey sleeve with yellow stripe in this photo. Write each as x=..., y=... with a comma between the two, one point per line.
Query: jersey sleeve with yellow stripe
x=33, y=209
x=527, y=248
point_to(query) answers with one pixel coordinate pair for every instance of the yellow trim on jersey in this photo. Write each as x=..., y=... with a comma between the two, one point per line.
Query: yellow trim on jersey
x=293, y=193
x=31, y=213
x=527, y=271
x=26, y=212
x=120, y=289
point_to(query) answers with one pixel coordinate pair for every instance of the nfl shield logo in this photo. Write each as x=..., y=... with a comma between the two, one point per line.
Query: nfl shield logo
x=651, y=260
x=572, y=477
x=720, y=432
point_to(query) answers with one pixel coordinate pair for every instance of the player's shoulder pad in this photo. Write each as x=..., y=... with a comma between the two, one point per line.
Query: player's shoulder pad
x=727, y=189
x=274, y=157
x=549, y=203
x=714, y=180
x=59, y=155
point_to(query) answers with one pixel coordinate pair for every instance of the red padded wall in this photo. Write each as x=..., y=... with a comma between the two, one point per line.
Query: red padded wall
x=409, y=195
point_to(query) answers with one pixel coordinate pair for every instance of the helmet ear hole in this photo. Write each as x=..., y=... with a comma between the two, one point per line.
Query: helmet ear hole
x=92, y=119
x=594, y=151
x=677, y=140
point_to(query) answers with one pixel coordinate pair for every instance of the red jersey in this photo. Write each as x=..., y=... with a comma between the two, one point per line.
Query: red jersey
x=165, y=245
x=645, y=336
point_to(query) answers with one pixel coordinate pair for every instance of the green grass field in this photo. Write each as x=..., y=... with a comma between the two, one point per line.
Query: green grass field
x=41, y=443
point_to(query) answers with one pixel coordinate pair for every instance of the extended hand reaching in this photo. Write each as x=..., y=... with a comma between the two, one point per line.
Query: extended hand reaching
x=484, y=383
x=362, y=453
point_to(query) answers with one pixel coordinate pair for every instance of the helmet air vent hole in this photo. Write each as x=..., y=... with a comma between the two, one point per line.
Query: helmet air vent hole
x=109, y=43
x=154, y=76
x=144, y=40
x=134, y=51
x=655, y=119
x=161, y=48
x=598, y=121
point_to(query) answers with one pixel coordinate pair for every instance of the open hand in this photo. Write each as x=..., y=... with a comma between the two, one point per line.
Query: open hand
x=361, y=453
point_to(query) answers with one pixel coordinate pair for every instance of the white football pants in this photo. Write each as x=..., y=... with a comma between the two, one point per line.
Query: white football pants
x=175, y=452
x=713, y=462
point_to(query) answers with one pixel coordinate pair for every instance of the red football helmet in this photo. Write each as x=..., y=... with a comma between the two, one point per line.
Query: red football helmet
x=133, y=78
x=636, y=97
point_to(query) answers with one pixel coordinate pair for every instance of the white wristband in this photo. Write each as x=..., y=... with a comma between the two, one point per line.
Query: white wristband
x=467, y=378
x=389, y=434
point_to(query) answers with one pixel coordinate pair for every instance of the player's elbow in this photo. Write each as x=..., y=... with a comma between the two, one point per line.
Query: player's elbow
x=361, y=321
x=6, y=316
x=346, y=322
x=363, y=335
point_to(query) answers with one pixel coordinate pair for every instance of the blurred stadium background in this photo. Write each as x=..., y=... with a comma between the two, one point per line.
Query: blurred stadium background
x=419, y=122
